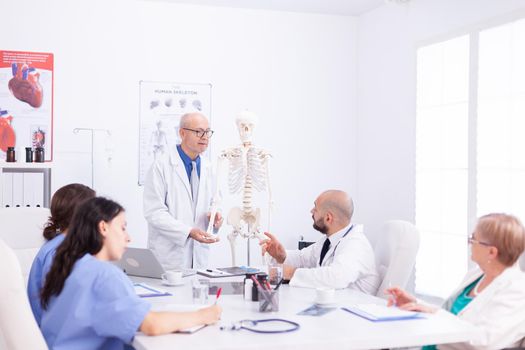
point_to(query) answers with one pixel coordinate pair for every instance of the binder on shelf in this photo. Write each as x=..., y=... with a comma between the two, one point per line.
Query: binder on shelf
x=38, y=190
x=28, y=189
x=33, y=189
x=7, y=190
x=18, y=190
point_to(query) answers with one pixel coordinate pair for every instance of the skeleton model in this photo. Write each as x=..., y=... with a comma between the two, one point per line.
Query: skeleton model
x=248, y=172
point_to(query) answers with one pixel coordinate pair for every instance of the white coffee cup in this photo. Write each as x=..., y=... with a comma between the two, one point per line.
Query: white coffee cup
x=324, y=296
x=172, y=277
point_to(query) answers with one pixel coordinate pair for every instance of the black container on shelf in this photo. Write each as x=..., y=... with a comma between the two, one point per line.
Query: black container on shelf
x=39, y=155
x=29, y=155
x=10, y=155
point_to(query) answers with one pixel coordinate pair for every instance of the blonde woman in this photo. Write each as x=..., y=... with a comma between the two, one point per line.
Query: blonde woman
x=492, y=296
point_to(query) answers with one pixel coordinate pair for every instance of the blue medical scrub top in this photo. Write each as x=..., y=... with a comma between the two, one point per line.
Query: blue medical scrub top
x=39, y=269
x=97, y=309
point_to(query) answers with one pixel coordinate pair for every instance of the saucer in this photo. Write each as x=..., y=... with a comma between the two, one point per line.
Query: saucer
x=166, y=283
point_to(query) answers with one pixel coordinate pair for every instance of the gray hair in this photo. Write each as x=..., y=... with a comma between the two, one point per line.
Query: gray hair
x=185, y=119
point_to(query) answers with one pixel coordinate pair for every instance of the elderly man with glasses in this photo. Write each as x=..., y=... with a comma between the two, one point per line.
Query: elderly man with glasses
x=177, y=195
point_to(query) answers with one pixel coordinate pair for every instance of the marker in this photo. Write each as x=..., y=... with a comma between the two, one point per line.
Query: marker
x=279, y=284
x=218, y=295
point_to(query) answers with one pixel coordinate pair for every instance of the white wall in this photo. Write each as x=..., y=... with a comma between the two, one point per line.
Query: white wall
x=297, y=71
x=387, y=40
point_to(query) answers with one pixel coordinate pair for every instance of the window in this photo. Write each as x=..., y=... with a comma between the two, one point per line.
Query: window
x=442, y=164
x=469, y=86
x=501, y=120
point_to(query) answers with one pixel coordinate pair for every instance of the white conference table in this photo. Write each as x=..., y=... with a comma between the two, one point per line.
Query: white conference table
x=335, y=330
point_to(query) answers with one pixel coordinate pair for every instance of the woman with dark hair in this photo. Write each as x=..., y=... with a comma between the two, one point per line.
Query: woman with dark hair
x=88, y=302
x=63, y=204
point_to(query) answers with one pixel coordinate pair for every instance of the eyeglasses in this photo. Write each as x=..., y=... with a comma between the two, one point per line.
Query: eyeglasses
x=472, y=240
x=200, y=133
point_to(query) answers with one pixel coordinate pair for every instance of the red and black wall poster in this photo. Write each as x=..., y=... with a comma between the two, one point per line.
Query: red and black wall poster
x=26, y=102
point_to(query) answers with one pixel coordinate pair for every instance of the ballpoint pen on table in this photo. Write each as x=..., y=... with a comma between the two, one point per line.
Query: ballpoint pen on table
x=218, y=295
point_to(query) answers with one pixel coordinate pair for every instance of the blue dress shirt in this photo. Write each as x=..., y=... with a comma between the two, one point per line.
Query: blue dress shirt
x=187, y=162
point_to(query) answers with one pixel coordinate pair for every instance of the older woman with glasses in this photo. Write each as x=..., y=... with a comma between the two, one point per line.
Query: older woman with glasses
x=491, y=297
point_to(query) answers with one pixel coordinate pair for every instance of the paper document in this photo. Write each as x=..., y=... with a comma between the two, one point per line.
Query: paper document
x=144, y=291
x=379, y=313
x=181, y=308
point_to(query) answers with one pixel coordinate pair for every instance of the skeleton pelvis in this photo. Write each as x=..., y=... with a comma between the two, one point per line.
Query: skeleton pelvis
x=238, y=218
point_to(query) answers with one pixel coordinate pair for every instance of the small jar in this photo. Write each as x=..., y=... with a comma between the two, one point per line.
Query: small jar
x=29, y=155
x=10, y=156
x=248, y=285
x=39, y=155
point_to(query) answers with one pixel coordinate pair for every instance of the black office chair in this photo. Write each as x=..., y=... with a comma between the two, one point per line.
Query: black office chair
x=303, y=244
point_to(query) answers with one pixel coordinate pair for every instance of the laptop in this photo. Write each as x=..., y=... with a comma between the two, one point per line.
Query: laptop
x=143, y=263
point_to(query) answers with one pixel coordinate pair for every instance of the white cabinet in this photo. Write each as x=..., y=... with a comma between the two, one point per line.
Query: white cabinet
x=25, y=184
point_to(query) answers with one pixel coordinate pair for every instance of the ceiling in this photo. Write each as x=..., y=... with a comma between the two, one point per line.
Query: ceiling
x=332, y=7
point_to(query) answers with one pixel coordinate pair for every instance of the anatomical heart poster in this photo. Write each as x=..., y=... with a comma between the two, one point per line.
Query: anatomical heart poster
x=26, y=102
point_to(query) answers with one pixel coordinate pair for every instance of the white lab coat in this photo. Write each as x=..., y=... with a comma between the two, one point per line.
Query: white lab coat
x=349, y=263
x=499, y=310
x=168, y=211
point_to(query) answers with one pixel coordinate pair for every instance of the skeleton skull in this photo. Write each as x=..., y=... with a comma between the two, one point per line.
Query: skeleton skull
x=246, y=122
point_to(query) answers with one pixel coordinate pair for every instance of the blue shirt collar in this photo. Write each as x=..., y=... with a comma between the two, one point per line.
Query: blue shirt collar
x=187, y=162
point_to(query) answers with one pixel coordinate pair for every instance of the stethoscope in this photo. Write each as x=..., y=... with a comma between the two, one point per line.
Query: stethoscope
x=250, y=325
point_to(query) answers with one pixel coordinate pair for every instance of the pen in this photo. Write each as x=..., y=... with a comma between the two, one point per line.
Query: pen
x=256, y=282
x=268, y=287
x=279, y=284
x=218, y=295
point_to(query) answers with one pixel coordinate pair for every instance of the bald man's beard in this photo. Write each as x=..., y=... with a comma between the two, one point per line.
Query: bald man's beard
x=320, y=226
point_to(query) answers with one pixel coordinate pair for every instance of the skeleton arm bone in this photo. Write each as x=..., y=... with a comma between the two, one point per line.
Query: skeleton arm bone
x=266, y=156
x=216, y=196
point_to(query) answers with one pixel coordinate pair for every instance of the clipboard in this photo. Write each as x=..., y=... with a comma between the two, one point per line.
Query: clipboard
x=227, y=271
x=382, y=313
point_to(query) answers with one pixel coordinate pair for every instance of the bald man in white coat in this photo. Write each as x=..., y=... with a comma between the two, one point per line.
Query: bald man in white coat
x=343, y=258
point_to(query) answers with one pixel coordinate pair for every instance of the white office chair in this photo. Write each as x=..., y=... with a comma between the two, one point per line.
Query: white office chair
x=22, y=231
x=18, y=328
x=396, y=252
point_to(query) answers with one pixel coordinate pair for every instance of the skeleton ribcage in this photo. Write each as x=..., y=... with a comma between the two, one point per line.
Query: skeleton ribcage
x=247, y=171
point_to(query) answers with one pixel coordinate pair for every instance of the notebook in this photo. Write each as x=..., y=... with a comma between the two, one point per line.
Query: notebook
x=144, y=290
x=181, y=308
x=380, y=313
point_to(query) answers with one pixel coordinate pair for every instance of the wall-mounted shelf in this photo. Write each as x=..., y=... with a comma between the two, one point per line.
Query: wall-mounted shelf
x=20, y=165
